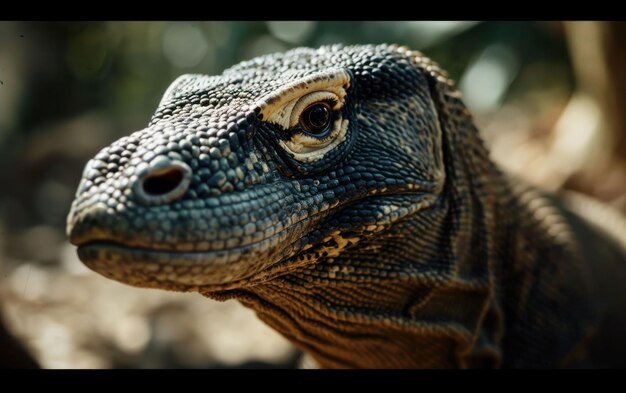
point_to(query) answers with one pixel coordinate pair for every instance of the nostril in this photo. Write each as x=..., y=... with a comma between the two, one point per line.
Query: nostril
x=163, y=182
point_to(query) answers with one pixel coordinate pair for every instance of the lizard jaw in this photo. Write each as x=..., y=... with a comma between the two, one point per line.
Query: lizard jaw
x=138, y=262
x=152, y=265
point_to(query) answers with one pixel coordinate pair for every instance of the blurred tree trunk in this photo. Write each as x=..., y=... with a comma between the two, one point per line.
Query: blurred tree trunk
x=593, y=126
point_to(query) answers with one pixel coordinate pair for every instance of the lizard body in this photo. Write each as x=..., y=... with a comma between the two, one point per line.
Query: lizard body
x=345, y=195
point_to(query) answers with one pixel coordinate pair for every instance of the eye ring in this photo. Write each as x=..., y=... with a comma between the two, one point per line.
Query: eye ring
x=316, y=119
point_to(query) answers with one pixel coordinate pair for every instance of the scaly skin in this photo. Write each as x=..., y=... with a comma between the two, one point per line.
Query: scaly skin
x=345, y=195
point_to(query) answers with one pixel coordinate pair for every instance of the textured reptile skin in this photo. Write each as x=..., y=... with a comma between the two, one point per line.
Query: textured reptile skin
x=386, y=239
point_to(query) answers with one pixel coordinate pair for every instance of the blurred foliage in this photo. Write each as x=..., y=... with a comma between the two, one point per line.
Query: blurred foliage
x=115, y=73
x=69, y=89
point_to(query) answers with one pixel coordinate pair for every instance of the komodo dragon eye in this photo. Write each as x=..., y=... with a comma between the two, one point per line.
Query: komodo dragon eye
x=316, y=119
x=314, y=122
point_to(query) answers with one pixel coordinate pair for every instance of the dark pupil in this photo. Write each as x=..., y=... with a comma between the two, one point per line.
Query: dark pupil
x=318, y=117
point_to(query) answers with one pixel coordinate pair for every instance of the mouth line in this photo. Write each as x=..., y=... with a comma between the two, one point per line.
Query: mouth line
x=104, y=243
x=115, y=244
x=174, y=270
x=203, y=270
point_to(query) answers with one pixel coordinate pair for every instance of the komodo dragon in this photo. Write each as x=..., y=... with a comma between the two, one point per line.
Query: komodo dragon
x=344, y=194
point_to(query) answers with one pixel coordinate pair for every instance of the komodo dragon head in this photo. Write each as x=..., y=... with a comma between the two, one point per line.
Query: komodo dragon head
x=313, y=186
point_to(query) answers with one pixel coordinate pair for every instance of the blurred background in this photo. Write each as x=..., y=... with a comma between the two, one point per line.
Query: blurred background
x=547, y=96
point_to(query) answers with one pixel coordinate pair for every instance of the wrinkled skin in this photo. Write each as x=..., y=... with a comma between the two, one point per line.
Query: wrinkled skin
x=344, y=194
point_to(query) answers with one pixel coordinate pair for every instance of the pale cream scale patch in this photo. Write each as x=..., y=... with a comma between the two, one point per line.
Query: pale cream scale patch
x=284, y=107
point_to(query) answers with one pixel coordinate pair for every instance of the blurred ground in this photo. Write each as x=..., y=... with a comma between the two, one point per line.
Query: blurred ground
x=547, y=97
